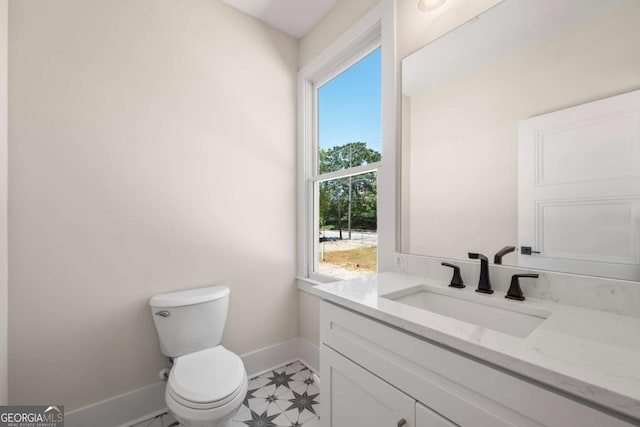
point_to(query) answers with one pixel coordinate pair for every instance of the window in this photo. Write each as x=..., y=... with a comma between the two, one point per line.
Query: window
x=347, y=137
x=347, y=152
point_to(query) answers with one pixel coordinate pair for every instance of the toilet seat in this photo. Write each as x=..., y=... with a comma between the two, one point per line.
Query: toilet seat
x=208, y=405
x=206, y=379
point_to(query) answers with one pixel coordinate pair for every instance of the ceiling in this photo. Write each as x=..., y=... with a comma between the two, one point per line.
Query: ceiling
x=294, y=17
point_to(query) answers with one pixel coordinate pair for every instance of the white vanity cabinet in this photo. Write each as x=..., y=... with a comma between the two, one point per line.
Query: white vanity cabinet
x=359, y=398
x=374, y=375
x=425, y=417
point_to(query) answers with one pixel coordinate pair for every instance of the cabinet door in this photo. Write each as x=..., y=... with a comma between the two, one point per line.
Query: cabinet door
x=352, y=396
x=425, y=417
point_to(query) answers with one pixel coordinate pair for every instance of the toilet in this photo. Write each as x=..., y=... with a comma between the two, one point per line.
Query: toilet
x=207, y=383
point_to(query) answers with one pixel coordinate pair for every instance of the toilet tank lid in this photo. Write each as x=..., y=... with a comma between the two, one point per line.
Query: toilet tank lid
x=189, y=297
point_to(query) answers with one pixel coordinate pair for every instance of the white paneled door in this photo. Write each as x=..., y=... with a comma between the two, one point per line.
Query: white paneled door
x=579, y=189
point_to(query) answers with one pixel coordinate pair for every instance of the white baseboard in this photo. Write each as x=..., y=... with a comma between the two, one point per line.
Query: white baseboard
x=145, y=403
x=120, y=410
x=309, y=354
x=276, y=355
x=264, y=359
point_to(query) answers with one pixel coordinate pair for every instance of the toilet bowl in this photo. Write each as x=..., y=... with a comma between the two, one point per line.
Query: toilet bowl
x=206, y=388
x=207, y=383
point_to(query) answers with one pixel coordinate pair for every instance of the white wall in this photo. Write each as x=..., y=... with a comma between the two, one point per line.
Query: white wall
x=332, y=25
x=463, y=179
x=152, y=149
x=3, y=201
x=416, y=29
x=308, y=317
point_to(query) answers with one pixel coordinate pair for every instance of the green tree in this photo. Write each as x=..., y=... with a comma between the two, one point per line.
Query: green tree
x=348, y=201
x=346, y=156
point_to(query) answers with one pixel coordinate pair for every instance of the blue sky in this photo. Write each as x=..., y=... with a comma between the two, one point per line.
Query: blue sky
x=349, y=106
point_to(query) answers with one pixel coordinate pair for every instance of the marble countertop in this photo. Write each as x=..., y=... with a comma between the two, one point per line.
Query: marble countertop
x=588, y=353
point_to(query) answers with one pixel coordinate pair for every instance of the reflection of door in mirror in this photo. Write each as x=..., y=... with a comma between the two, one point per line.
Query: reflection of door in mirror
x=578, y=188
x=463, y=97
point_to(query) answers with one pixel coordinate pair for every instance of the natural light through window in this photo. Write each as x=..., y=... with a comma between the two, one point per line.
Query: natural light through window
x=349, y=136
x=349, y=111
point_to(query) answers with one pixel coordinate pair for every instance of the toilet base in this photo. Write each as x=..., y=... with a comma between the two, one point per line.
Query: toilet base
x=216, y=417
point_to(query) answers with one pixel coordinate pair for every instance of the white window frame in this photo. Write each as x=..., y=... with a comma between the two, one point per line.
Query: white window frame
x=376, y=29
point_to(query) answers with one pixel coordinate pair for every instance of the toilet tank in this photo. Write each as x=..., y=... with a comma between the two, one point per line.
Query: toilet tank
x=191, y=320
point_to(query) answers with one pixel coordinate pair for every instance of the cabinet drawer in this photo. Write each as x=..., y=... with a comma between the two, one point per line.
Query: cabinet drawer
x=467, y=392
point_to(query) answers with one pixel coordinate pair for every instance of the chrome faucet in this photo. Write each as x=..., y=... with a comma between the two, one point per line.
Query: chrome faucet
x=484, y=284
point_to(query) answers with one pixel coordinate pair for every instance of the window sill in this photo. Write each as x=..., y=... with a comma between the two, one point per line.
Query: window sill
x=305, y=284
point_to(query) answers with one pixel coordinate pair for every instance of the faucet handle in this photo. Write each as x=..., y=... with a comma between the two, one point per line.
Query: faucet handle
x=456, y=280
x=515, y=291
x=481, y=257
x=497, y=258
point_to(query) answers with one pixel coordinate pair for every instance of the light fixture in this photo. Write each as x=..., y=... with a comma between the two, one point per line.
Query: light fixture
x=429, y=5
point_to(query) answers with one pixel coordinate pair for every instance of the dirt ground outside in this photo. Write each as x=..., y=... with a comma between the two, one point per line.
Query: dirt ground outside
x=347, y=259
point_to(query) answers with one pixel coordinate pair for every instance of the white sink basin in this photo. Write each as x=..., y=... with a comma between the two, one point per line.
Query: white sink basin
x=488, y=311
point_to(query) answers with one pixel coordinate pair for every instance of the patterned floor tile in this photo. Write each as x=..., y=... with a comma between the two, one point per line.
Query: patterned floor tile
x=284, y=397
x=295, y=367
x=258, y=382
x=163, y=420
x=315, y=422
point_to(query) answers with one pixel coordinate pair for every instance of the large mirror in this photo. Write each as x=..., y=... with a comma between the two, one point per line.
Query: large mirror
x=522, y=128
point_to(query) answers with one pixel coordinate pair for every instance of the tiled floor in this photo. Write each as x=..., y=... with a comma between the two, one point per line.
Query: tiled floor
x=164, y=420
x=285, y=397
